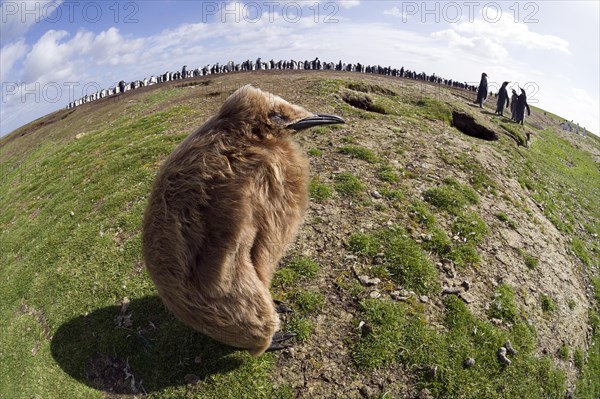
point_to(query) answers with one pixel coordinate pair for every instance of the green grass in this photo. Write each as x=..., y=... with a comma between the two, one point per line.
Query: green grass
x=503, y=305
x=419, y=211
x=578, y=358
x=463, y=255
x=468, y=163
x=348, y=185
x=304, y=267
x=451, y=196
x=297, y=269
x=547, y=303
x=439, y=242
x=566, y=180
x=309, y=301
x=516, y=130
x=564, y=352
x=303, y=327
x=365, y=244
x=319, y=191
x=470, y=228
x=578, y=247
x=388, y=174
x=315, y=152
x=433, y=109
x=349, y=284
x=70, y=271
x=400, y=335
x=503, y=217
x=405, y=261
x=530, y=261
x=393, y=194
x=359, y=152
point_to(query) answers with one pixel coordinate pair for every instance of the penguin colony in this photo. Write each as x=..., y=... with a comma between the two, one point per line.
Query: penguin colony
x=224, y=206
x=260, y=65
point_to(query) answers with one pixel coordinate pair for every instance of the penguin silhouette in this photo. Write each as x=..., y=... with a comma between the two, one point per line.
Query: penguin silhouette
x=521, y=106
x=513, y=105
x=482, y=91
x=502, y=99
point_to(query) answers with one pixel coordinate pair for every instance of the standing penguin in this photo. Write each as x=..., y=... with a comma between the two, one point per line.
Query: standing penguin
x=482, y=91
x=502, y=99
x=225, y=205
x=520, y=108
x=513, y=105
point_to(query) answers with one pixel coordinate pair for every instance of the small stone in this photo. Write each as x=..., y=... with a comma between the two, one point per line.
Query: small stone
x=469, y=362
x=376, y=195
x=502, y=356
x=365, y=328
x=72, y=213
x=366, y=280
x=451, y=290
x=424, y=298
x=466, y=285
x=366, y=391
x=375, y=294
x=509, y=348
x=468, y=298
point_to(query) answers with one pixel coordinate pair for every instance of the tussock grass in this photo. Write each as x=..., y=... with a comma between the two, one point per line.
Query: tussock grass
x=319, y=191
x=359, y=152
x=348, y=185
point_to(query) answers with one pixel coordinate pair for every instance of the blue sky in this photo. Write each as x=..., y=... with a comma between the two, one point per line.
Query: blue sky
x=52, y=50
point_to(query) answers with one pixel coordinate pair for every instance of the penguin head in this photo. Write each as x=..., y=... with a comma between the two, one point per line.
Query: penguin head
x=504, y=84
x=484, y=75
x=267, y=115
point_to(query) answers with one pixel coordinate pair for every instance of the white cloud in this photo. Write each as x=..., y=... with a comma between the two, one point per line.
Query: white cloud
x=19, y=16
x=56, y=57
x=482, y=46
x=349, y=3
x=506, y=31
x=9, y=55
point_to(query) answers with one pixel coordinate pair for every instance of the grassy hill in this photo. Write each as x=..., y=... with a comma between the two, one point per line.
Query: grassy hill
x=422, y=247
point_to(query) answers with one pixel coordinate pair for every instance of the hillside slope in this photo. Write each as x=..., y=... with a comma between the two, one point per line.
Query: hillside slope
x=422, y=247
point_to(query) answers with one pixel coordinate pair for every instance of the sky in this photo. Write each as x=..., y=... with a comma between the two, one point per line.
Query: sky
x=55, y=51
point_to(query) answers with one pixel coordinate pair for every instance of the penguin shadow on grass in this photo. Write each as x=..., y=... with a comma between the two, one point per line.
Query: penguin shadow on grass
x=137, y=348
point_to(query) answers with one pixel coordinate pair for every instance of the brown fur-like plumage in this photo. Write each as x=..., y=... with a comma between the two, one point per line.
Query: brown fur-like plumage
x=224, y=206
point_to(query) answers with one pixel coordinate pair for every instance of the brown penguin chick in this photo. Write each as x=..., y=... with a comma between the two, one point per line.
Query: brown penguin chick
x=224, y=206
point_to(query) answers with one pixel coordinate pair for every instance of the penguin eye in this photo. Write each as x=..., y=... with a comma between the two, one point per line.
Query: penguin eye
x=278, y=118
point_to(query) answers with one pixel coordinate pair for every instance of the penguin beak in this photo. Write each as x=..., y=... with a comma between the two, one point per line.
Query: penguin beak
x=315, y=120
